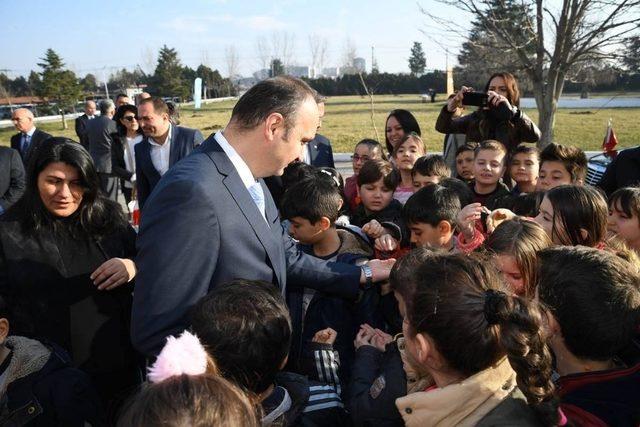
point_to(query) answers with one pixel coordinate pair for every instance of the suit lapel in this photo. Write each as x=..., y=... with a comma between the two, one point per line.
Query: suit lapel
x=174, y=150
x=145, y=161
x=240, y=194
x=313, y=151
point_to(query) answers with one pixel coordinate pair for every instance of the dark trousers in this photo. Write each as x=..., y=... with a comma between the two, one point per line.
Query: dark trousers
x=109, y=185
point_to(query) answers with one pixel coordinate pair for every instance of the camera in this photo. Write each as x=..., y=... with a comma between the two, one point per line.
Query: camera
x=478, y=99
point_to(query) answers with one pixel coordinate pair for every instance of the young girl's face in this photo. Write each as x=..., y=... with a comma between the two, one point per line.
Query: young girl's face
x=464, y=165
x=546, y=219
x=624, y=226
x=511, y=274
x=375, y=196
x=361, y=154
x=407, y=154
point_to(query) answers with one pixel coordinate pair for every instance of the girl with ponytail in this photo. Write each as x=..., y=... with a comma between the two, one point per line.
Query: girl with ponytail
x=484, y=348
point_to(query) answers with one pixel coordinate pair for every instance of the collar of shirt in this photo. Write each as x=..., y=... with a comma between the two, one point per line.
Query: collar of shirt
x=238, y=163
x=167, y=142
x=31, y=132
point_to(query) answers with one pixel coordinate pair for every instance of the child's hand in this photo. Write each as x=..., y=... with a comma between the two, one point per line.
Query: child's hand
x=379, y=339
x=497, y=217
x=380, y=269
x=467, y=218
x=386, y=243
x=364, y=337
x=374, y=229
x=325, y=336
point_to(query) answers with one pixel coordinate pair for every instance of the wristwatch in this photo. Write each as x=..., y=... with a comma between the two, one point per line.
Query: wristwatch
x=368, y=276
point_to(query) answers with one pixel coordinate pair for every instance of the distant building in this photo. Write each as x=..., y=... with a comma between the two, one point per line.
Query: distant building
x=360, y=64
x=331, y=72
x=297, y=71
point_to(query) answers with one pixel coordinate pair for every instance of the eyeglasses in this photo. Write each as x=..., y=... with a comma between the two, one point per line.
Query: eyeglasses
x=356, y=157
x=130, y=118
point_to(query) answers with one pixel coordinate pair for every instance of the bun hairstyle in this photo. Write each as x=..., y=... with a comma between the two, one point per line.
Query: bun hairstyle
x=459, y=302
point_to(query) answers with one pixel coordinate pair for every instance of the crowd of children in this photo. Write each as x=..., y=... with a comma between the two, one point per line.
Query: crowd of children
x=514, y=300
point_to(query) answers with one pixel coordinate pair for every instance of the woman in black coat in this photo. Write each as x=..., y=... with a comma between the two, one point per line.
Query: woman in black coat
x=501, y=119
x=66, y=266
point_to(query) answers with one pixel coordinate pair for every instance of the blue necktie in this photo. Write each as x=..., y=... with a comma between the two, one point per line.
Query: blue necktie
x=258, y=197
x=26, y=140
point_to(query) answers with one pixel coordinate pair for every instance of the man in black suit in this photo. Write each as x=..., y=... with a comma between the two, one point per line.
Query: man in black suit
x=100, y=133
x=318, y=152
x=81, y=122
x=12, y=179
x=27, y=141
x=164, y=144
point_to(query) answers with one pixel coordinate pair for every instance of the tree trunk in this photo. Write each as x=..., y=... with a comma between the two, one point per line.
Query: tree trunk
x=64, y=119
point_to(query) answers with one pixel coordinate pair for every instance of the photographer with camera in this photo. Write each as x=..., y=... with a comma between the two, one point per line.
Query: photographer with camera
x=498, y=116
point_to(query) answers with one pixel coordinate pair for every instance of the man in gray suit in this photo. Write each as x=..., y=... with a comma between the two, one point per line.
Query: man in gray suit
x=100, y=134
x=211, y=218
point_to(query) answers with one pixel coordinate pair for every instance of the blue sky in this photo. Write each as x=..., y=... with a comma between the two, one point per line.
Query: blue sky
x=100, y=36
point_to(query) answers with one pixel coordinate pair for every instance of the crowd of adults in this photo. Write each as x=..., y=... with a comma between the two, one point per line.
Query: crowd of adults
x=257, y=289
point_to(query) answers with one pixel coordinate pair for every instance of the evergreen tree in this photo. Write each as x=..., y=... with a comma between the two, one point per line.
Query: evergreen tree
x=417, y=60
x=58, y=84
x=34, y=83
x=168, y=78
x=213, y=81
x=631, y=58
x=89, y=83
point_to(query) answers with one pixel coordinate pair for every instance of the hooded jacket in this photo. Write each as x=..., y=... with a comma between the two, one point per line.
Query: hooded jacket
x=41, y=389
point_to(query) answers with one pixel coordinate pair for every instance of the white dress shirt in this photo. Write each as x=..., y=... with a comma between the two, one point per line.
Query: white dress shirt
x=130, y=159
x=239, y=164
x=160, y=153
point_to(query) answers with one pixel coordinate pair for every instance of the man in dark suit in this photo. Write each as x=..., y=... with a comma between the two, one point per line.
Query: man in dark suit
x=164, y=144
x=624, y=171
x=12, y=179
x=28, y=138
x=211, y=218
x=318, y=152
x=101, y=132
x=81, y=122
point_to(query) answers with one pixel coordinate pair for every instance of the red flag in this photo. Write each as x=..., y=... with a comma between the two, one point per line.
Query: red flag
x=610, y=141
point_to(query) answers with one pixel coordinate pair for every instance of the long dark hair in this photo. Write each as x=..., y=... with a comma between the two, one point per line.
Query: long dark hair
x=579, y=208
x=96, y=216
x=513, y=93
x=407, y=121
x=458, y=301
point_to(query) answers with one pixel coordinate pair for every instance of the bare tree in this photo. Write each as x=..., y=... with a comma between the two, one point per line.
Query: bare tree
x=282, y=46
x=263, y=52
x=318, y=48
x=564, y=34
x=349, y=53
x=233, y=61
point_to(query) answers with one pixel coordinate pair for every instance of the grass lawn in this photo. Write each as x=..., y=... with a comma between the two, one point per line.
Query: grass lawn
x=348, y=119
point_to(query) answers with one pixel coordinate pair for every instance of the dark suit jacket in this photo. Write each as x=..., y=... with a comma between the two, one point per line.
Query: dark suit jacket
x=12, y=179
x=81, y=130
x=118, y=165
x=101, y=132
x=321, y=154
x=36, y=140
x=183, y=141
x=201, y=228
x=624, y=171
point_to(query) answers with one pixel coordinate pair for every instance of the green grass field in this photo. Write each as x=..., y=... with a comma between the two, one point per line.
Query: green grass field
x=348, y=119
